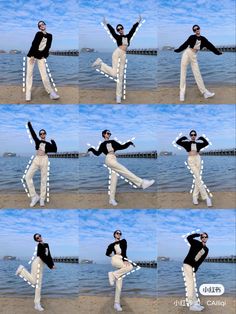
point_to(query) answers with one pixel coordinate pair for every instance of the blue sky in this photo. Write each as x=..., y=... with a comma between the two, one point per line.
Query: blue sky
x=19, y=23
x=176, y=18
x=138, y=227
x=59, y=228
x=126, y=12
x=172, y=224
x=60, y=122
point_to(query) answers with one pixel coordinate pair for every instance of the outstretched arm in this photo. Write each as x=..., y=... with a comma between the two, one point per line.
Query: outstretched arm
x=96, y=152
x=119, y=146
x=212, y=48
x=183, y=46
x=134, y=27
x=32, y=132
x=111, y=29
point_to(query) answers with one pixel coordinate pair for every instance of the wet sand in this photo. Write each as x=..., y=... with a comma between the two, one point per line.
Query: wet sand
x=136, y=200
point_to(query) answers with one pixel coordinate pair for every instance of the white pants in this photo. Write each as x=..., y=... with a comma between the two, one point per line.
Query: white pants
x=35, y=277
x=117, y=69
x=117, y=262
x=194, y=163
x=39, y=162
x=111, y=162
x=43, y=73
x=189, y=56
x=190, y=284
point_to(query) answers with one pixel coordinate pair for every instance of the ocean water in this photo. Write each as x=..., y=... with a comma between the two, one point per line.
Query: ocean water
x=88, y=175
x=170, y=278
x=215, y=69
x=64, y=70
x=93, y=280
x=61, y=282
x=141, y=71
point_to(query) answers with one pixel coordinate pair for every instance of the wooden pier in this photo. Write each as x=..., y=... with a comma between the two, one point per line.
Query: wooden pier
x=221, y=259
x=220, y=152
x=149, y=51
x=66, y=259
x=150, y=154
x=224, y=48
x=151, y=264
x=74, y=154
x=72, y=53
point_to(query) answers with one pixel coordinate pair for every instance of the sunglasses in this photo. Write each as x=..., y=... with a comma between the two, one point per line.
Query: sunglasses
x=41, y=24
x=119, y=29
x=193, y=134
x=43, y=133
x=196, y=29
x=204, y=237
x=119, y=233
x=108, y=133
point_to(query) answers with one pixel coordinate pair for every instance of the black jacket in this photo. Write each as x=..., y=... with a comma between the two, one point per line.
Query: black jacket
x=123, y=246
x=103, y=147
x=192, y=258
x=190, y=42
x=185, y=143
x=34, y=50
x=44, y=253
x=118, y=37
x=49, y=147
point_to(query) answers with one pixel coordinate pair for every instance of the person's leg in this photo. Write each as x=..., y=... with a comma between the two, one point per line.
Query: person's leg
x=121, y=68
x=30, y=276
x=112, y=71
x=183, y=71
x=195, y=165
x=44, y=172
x=190, y=284
x=113, y=185
x=29, y=177
x=197, y=73
x=118, y=290
x=37, y=296
x=112, y=162
x=44, y=75
x=29, y=78
x=118, y=262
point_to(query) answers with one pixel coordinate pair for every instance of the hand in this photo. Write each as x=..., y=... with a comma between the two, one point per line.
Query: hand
x=133, y=144
x=139, y=18
x=32, y=60
x=104, y=21
x=54, y=267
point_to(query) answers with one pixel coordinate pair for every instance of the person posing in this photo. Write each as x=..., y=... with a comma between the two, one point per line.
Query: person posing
x=118, y=56
x=109, y=147
x=191, y=46
x=197, y=253
x=36, y=275
x=118, y=260
x=193, y=148
x=39, y=52
x=40, y=161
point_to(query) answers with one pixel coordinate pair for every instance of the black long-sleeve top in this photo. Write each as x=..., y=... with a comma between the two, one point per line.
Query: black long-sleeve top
x=118, y=37
x=34, y=50
x=103, y=147
x=49, y=147
x=123, y=246
x=190, y=42
x=44, y=253
x=197, y=252
x=186, y=143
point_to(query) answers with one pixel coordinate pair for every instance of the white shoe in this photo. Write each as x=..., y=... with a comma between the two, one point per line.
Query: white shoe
x=208, y=94
x=147, y=183
x=34, y=200
x=54, y=96
x=195, y=200
x=181, y=96
x=97, y=63
x=118, y=99
x=113, y=202
x=196, y=308
x=38, y=307
x=111, y=278
x=19, y=269
x=117, y=307
x=28, y=96
x=208, y=201
x=41, y=202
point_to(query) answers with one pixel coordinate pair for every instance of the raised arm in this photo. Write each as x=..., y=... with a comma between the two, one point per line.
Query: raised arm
x=204, y=142
x=183, y=46
x=53, y=146
x=119, y=146
x=32, y=132
x=132, y=31
x=181, y=141
x=191, y=237
x=112, y=31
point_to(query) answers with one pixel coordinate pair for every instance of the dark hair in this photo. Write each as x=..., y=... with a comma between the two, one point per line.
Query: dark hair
x=41, y=131
x=41, y=22
x=36, y=234
x=115, y=232
x=118, y=25
x=104, y=132
x=195, y=26
x=204, y=233
x=192, y=131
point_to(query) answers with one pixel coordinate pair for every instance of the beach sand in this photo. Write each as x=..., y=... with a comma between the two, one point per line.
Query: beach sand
x=134, y=200
x=167, y=305
x=15, y=95
x=162, y=95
